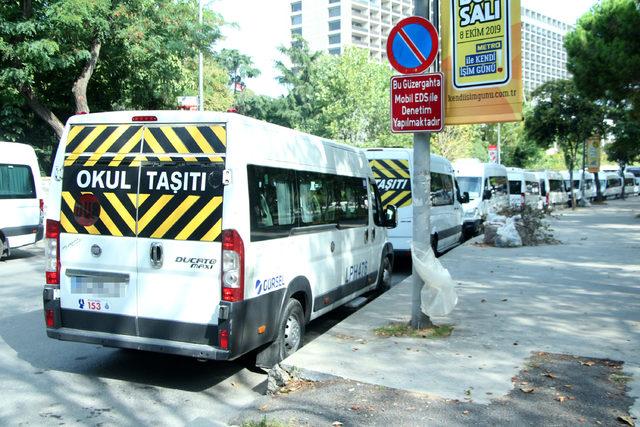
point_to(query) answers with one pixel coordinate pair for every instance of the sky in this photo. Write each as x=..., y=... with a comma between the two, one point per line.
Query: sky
x=263, y=25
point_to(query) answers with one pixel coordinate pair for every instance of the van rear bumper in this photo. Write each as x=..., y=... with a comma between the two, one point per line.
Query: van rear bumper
x=199, y=351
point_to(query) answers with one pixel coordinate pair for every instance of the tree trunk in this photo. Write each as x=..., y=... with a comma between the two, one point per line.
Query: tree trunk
x=622, y=165
x=80, y=86
x=42, y=111
x=599, y=197
x=27, y=9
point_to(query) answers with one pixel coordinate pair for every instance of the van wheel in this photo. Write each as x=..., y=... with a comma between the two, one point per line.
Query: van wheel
x=1, y=248
x=384, y=277
x=289, y=339
x=291, y=329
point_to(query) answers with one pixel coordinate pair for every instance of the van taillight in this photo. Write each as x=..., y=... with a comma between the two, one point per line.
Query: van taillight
x=52, y=252
x=223, y=339
x=232, y=266
x=523, y=200
x=547, y=199
x=41, y=207
x=144, y=119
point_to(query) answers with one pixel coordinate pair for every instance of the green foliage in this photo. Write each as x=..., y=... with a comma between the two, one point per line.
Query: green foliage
x=141, y=65
x=625, y=149
x=559, y=114
x=237, y=65
x=603, y=53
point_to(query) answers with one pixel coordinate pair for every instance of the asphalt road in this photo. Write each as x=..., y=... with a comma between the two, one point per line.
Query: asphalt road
x=45, y=381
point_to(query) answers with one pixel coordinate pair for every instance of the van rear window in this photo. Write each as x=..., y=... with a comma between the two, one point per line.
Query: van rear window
x=515, y=187
x=16, y=182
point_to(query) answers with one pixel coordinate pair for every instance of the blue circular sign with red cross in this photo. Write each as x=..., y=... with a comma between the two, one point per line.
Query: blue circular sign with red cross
x=412, y=45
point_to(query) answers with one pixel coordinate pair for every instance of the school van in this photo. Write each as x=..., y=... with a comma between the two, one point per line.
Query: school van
x=524, y=189
x=630, y=188
x=552, y=189
x=206, y=234
x=392, y=168
x=21, y=198
x=610, y=185
x=589, y=185
x=488, y=188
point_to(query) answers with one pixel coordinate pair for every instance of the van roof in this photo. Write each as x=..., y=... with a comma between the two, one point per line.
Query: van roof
x=13, y=152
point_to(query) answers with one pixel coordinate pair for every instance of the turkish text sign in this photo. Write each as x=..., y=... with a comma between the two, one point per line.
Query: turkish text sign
x=481, y=51
x=593, y=154
x=417, y=103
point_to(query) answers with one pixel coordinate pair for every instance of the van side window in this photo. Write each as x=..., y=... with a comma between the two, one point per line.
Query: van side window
x=498, y=184
x=16, y=182
x=376, y=204
x=272, y=198
x=332, y=199
x=441, y=189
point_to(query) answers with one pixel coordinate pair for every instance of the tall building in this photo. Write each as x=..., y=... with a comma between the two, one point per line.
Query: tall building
x=543, y=55
x=331, y=25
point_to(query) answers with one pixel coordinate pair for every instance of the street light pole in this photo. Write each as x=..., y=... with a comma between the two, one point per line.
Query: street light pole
x=200, y=66
x=420, y=195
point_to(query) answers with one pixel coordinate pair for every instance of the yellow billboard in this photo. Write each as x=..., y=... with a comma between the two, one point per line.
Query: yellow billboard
x=593, y=154
x=481, y=61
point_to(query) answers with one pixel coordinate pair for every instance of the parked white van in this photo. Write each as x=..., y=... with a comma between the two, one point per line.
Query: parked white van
x=589, y=185
x=21, y=199
x=488, y=188
x=524, y=188
x=392, y=168
x=610, y=185
x=206, y=234
x=552, y=190
x=630, y=188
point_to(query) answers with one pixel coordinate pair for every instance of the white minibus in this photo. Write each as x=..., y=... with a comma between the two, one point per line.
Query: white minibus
x=487, y=185
x=205, y=234
x=392, y=168
x=21, y=198
x=589, y=185
x=610, y=185
x=552, y=189
x=524, y=189
x=630, y=188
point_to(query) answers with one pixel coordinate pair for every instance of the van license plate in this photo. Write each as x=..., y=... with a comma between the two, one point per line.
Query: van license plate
x=96, y=286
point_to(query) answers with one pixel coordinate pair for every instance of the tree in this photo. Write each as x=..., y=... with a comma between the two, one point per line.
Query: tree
x=238, y=66
x=560, y=114
x=131, y=52
x=625, y=148
x=456, y=142
x=603, y=53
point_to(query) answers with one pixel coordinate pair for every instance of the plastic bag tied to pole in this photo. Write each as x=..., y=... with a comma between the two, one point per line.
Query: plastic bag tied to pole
x=438, y=295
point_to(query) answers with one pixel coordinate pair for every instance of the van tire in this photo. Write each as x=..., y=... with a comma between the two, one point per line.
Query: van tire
x=289, y=339
x=384, y=276
x=2, y=248
x=434, y=244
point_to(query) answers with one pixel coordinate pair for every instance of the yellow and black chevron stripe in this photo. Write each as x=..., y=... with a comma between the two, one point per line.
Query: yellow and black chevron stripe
x=129, y=145
x=167, y=143
x=169, y=216
x=162, y=216
x=117, y=214
x=87, y=145
x=394, y=181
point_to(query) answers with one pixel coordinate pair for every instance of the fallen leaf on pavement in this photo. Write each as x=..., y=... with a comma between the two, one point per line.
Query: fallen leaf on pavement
x=526, y=390
x=587, y=363
x=625, y=419
x=561, y=399
x=263, y=408
x=549, y=375
x=568, y=386
x=465, y=412
x=504, y=300
x=483, y=300
x=336, y=424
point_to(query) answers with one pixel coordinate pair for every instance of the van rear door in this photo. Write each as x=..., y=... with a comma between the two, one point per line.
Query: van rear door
x=98, y=228
x=179, y=232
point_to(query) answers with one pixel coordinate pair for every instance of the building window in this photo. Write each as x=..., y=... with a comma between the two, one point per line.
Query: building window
x=296, y=20
x=334, y=11
x=296, y=7
x=334, y=25
x=334, y=51
x=334, y=38
x=334, y=1
x=296, y=32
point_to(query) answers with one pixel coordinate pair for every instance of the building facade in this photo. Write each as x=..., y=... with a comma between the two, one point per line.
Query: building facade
x=332, y=25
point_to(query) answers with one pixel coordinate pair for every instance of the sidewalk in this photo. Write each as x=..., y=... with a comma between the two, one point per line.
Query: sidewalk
x=580, y=298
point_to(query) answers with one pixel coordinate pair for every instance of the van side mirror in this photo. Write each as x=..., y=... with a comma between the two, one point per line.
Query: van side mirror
x=486, y=195
x=390, y=217
x=465, y=197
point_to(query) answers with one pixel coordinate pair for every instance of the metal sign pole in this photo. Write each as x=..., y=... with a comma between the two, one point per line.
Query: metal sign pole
x=200, y=67
x=420, y=188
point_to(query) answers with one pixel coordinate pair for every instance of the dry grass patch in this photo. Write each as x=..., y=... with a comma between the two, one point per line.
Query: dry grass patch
x=405, y=330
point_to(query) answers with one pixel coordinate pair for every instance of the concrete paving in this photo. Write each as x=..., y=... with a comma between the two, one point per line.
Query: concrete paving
x=581, y=297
